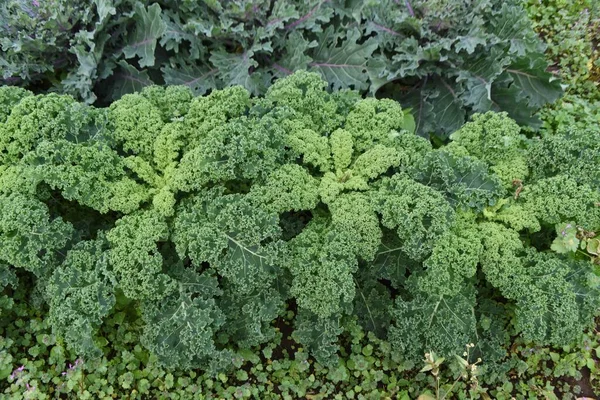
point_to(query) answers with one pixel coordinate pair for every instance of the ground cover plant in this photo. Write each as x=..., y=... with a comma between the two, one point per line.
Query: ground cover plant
x=570, y=30
x=35, y=364
x=208, y=218
x=444, y=59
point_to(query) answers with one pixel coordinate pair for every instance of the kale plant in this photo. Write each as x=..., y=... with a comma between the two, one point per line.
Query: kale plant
x=214, y=216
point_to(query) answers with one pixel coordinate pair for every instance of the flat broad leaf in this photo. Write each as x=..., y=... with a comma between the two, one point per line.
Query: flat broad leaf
x=128, y=79
x=478, y=76
x=509, y=98
x=448, y=108
x=236, y=69
x=345, y=65
x=197, y=77
x=296, y=56
x=149, y=28
x=416, y=98
x=530, y=77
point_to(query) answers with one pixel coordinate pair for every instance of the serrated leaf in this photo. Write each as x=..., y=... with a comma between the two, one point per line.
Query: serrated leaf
x=417, y=100
x=345, y=65
x=314, y=14
x=379, y=73
x=469, y=43
x=149, y=29
x=530, y=77
x=447, y=107
x=296, y=55
x=512, y=25
x=235, y=69
x=508, y=98
x=176, y=33
x=478, y=75
x=199, y=78
x=105, y=8
x=128, y=79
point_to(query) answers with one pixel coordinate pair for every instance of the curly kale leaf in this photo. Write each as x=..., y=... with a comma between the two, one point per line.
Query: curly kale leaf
x=495, y=139
x=181, y=327
x=324, y=256
x=135, y=257
x=419, y=214
x=51, y=117
x=319, y=335
x=453, y=261
x=134, y=124
x=31, y=238
x=290, y=188
x=573, y=153
x=310, y=106
x=321, y=269
x=372, y=304
x=250, y=315
x=239, y=240
x=90, y=173
x=555, y=298
x=8, y=277
x=430, y=321
x=244, y=148
x=559, y=199
x=372, y=122
x=9, y=97
x=82, y=293
x=391, y=262
x=558, y=299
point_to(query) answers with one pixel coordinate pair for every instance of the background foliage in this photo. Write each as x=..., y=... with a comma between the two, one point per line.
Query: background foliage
x=444, y=59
